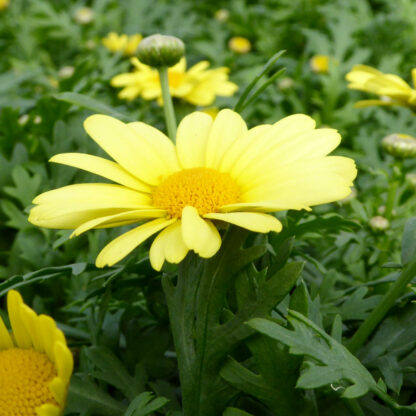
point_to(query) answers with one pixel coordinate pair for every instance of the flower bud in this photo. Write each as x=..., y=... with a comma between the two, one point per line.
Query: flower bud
x=319, y=64
x=84, y=15
x=160, y=50
x=379, y=223
x=222, y=15
x=285, y=83
x=401, y=146
x=239, y=44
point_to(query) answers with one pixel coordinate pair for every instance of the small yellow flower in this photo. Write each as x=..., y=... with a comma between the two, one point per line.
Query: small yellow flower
x=122, y=43
x=84, y=15
x=391, y=88
x=239, y=45
x=319, y=64
x=4, y=4
x=222, y=15
x=218, y=171
x=35, y=363
x=198, y=85
x=211, y=111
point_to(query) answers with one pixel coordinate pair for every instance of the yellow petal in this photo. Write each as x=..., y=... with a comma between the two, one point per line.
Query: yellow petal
x=126, y=147
x=257, y=222
x=198, y=234
x=127, y=242
x=169, y=246
x=63, y=360
x=191, y=139
x=5, y=338
x=14, y=307
x=103, y=167
x=58, y=389
x=265, y=206
x=48, y=410
x=123, y=218
x=160, y=144
x=228, y=127
x=30, y=320
x=47, y=328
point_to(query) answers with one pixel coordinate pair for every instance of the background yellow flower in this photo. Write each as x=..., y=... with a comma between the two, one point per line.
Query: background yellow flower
x=239, y=44
x=319, y=64
x=218, y=171
x=198, y=85
x=35, y=363
x=122, y=43
x=391, y=88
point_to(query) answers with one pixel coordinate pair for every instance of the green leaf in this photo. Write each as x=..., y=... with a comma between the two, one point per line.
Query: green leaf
x=111, y=370
x=409, y=241
x=85, y=396
x=90, y=103
x=232, y=411
x=144, y=404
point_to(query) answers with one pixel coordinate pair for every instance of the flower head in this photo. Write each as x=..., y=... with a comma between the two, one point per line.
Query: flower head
x=122, y=43
x=4, y=4
x=401, y=146
x=391, y=88
x=84, y=15
x=239, y=44
x=35, y=363
x=319, y=64
x=198, y=85
x=218, y=171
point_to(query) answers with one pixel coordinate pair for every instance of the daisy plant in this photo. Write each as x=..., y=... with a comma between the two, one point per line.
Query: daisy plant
x=35, y=363
x=200, y=192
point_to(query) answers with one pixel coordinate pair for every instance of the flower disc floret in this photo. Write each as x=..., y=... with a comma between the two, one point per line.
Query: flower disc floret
x=202, y=188
x=25, y=375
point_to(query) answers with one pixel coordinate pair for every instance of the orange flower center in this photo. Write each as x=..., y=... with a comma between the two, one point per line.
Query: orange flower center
x=25, y=375
x=205, y=189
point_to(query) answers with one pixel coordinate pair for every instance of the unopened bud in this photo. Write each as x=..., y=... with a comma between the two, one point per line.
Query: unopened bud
x=84, y=15
x=160, y=50
x=379, y=223
x=285, y=83
x=222, y=15
x=401, y=146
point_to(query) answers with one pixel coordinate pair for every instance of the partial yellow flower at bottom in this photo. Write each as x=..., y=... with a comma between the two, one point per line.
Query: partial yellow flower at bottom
x=391, y=88
x=319, y=64
x=197, y=85
x=35, y=363
x=122, y=43
x=239, y=44
x=4, y=4
x=218, y=171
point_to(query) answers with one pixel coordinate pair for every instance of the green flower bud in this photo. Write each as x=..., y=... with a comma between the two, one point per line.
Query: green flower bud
x=400, y=146
x=160, y=50
x=379, y=224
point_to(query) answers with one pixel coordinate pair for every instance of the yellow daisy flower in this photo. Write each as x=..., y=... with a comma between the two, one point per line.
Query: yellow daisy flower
x=391, y=88
x=239, y=44
x=4, y=4
x=319, y=64
x=35, y=363
x=122, y=43
x=218, y=171
x=198, y=85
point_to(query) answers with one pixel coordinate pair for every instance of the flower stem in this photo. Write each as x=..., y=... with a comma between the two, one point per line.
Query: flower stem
x=167, y=103
x=391, y=199
x=382, y=308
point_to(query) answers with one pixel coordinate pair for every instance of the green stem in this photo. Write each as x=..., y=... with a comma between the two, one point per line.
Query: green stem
x=391, y=199
x=355, y=407
x=167, y=103
x=382, y=308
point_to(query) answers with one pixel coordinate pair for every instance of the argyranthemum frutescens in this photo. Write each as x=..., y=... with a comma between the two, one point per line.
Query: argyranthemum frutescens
x=391, y=88
x=218, y=171
x=35, y=363
x=198, y=85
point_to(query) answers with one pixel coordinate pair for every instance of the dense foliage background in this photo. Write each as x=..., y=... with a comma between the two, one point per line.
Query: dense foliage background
x=116, y=319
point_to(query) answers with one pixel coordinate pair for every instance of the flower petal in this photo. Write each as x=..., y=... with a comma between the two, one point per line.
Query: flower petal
x=14, y=307
x=191, y=139
x=103, y=167
x=64, y=361
x=257, y=222
x=126, y=147
x=6, y=341
x=160, y=144
x=169, y=246
x=127, y=242
x=116, y=220
x=48, y=410
x=228, y=127
x=198, y=234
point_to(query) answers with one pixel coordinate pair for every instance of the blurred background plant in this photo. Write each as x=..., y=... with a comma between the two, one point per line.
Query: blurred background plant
x=55, y=71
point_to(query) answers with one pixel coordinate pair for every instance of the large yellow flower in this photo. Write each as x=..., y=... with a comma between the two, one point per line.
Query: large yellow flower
x=218, y=171
x=198, y=85
x=35, y=363
x=122, y=43
x=391, y=88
